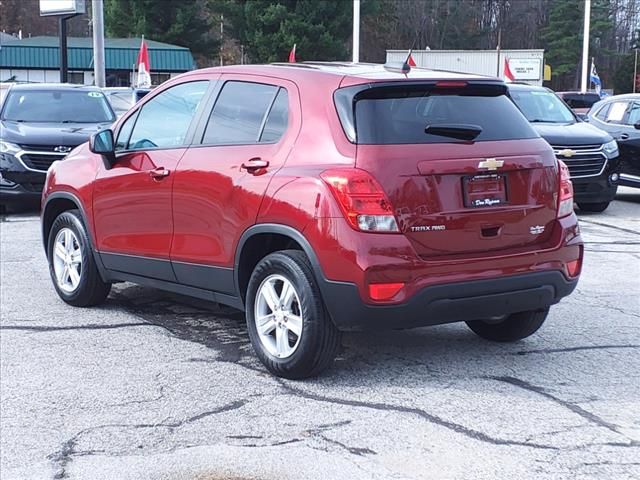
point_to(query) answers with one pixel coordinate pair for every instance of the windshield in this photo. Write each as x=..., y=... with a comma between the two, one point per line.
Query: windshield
x=121, y=101
x=71, y=106
x=542, y=106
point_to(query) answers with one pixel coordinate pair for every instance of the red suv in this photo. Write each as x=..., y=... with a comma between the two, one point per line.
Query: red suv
x=319, y=198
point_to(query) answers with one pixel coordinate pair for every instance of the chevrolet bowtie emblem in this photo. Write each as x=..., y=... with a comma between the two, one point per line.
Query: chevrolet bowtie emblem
x=567, y=153
x=491, y=164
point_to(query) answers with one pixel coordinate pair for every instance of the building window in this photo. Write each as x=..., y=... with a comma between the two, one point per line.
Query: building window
x=75, y=77
x=158, y=78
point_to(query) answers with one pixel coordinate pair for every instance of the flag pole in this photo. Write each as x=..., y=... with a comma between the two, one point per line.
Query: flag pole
x=585, y=45
x=356, y=31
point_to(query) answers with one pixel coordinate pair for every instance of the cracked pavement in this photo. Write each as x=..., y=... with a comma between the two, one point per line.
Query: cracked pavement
x=159, y=386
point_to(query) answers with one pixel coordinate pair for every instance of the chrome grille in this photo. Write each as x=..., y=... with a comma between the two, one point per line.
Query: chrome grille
x=40, y=161
x=43, y=148
x=583, y=160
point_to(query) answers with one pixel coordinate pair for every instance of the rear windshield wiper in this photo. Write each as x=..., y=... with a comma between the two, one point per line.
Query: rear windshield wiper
x=459, y=131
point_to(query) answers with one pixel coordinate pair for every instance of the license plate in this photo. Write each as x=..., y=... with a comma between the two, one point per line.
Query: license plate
x=484, y=190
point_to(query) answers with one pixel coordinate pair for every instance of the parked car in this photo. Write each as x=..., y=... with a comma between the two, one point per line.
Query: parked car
x=620, y=116
x=42, y=123
x=590, y=153
x=580, y=102
x=319, y=198
x=123, y=98
x=4, y=88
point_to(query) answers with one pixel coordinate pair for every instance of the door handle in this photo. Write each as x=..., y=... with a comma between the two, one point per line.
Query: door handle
x=624, y=136
x=255, y=165
x=159, y=173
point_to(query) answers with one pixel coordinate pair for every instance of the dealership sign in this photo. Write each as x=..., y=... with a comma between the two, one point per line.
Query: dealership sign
x=525, y=68
x=62, y=7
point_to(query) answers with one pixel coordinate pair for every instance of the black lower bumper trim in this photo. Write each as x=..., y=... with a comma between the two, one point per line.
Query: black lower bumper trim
x=475, y=300
x=593, y=190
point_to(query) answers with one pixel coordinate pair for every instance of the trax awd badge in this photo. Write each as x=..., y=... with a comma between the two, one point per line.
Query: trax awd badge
x=428, y=228
x=536, y=229
x=491, y=164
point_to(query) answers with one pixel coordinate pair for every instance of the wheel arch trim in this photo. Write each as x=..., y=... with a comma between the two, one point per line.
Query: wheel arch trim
x=62, y=196
x=279, y=229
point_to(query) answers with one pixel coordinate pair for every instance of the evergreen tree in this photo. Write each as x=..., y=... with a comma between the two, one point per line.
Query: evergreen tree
x=185, y=22
x=321, y=29
x=562, y=36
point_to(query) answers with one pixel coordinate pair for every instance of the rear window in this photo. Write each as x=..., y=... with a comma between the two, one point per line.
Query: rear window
x=400, y=115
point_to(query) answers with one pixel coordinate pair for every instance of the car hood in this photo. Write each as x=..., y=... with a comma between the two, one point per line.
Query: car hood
x=579, y=133
x=69, y=134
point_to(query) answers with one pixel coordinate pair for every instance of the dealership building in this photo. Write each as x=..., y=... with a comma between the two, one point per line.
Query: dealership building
x=526, y=65
x=37, y=59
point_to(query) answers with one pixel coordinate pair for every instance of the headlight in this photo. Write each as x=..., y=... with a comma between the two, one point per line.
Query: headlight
x=610, y=149
x=6, y=147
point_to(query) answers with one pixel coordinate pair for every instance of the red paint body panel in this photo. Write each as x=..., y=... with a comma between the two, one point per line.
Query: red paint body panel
x=132, y=210
x=201, y=210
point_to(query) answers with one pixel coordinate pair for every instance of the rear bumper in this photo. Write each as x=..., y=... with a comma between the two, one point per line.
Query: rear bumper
x=438, y=304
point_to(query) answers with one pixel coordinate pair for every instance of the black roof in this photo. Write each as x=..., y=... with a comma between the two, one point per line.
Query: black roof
x=526, y=86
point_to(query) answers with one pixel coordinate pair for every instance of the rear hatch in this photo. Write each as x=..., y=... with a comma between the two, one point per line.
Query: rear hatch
x=462, y=168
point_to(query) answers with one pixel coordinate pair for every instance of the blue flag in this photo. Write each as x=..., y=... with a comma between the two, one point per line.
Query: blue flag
x=595, y=79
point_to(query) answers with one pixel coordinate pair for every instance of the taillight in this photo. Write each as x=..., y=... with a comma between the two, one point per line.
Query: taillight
x=565, y=199
x=361, y=199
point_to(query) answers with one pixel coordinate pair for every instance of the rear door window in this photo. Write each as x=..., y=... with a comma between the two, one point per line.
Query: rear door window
x=400, y=115
x=240, y=112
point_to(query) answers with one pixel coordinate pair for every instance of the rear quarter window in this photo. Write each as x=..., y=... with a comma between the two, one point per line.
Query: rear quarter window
x=400, y=115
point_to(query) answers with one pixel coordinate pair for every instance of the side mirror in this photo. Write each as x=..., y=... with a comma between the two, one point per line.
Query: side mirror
x=102, y=143
x=637, y=126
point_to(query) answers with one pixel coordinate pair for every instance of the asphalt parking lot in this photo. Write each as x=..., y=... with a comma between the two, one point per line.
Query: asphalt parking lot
x=158, y=386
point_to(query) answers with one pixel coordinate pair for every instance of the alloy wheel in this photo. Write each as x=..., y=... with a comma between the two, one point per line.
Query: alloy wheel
x=278, y=316
x=67, y=260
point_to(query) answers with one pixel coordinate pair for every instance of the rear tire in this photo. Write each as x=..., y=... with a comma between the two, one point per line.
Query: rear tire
x=303, y=317
x=514, y=327
x=68, y=240
x=593, y=207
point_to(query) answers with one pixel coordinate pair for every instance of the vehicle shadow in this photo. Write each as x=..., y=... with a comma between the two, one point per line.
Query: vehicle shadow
x=371, y=355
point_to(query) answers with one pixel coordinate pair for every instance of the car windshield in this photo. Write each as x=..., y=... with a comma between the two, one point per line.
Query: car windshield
x=71, y=106
x=121, y=101
x=542, y=106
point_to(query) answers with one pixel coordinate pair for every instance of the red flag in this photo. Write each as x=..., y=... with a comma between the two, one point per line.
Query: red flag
x=144, y=67
x=507, y=74
x=411, y=62
x=292, y=54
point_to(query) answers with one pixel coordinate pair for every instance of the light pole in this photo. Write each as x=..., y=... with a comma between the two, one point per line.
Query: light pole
x=585, y=45
x=97, y=12
x=635, y=72
x=356, y=31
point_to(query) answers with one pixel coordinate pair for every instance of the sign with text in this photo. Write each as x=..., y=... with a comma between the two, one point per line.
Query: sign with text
x=61, y=7
x=525, y=68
